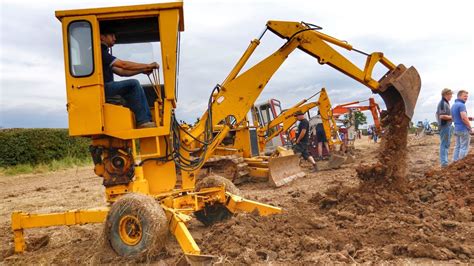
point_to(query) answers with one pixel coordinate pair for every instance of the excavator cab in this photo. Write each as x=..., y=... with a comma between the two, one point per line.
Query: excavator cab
x=265, y=113
x=138, y=30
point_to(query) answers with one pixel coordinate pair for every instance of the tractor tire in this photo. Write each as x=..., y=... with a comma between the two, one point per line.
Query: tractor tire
x=136, y=226
x=216, y=212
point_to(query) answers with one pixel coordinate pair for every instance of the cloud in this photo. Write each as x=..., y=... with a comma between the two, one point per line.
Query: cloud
x=437, y=40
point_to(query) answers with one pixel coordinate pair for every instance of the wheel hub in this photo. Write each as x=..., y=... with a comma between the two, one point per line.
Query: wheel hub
x=130, y=230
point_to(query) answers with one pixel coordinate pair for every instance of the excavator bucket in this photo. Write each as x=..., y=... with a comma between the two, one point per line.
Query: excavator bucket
x=401, y=84
x=284, y=169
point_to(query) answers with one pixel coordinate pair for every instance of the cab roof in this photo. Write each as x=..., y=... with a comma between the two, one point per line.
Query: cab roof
x=123, y=10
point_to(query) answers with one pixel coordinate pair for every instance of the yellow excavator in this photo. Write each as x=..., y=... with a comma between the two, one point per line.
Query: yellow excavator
x=262, y=151
x=268, y=129
x=149, y=174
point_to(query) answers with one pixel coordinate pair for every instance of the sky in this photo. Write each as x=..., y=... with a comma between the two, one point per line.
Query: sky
x=434, y=36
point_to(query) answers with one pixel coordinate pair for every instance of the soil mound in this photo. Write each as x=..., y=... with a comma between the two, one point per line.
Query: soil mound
x=433, y=218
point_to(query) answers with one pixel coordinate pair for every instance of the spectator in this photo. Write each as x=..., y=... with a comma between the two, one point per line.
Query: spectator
x=321, y=136
x=462, y=126
x=374, y=135
x=302, y=139
x=443, y=115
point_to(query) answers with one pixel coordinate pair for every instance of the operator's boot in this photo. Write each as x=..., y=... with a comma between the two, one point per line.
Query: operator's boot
x=315, y=166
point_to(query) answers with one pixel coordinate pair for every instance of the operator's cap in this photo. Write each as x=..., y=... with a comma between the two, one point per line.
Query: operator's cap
x=446, y=91
x=297, y=113
x=107, y=28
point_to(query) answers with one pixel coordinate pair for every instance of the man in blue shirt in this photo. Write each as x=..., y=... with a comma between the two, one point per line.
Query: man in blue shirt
x=462, y=126
x=129, y=89
x=443, y=115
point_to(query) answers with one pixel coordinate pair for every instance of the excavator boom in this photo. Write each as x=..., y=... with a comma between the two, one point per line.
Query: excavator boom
x=398, y=84
x=232, y=100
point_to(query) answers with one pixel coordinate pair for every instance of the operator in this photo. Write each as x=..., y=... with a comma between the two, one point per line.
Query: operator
x=443, y=115
x=129, y=89
x=321, y=136
x=302, y=139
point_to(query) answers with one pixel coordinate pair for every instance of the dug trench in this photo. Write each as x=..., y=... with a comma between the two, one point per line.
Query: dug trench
x=329, y=216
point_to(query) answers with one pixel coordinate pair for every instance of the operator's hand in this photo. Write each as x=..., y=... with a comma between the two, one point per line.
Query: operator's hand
x=153, y=65
x=148, y=72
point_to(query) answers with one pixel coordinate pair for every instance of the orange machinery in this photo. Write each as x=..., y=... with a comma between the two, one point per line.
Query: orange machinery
x=348, y=107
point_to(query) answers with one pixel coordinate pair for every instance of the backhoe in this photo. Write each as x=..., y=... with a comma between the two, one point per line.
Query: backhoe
x=150, y=174
x=262, y=150
x=373, y=107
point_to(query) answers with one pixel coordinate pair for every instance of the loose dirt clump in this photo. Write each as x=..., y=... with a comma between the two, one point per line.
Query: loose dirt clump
x=390, y=167
x=432, y=219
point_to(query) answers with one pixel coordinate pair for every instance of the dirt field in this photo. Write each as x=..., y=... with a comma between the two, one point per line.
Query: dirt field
x=329, y=216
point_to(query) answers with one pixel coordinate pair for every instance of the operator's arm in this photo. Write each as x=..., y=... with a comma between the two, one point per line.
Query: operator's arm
x=465, y=120
x=132, y=66
x=127, y=73
x=301, y=135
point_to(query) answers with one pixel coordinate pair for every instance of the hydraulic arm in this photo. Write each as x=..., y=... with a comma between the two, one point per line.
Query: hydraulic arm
x=234, y=97
x=286, y=119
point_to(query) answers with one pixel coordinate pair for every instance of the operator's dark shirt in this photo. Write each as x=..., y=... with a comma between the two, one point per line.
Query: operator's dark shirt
x=304, y=124
x=107, y=61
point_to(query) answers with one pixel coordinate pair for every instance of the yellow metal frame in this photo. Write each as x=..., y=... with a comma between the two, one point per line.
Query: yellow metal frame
x=177, y=209
x=21, y=221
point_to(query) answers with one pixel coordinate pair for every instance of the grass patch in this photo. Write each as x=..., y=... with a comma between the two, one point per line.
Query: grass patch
x=54, y=165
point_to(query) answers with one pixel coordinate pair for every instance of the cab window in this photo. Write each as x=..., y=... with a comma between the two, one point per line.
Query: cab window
x=81, y=62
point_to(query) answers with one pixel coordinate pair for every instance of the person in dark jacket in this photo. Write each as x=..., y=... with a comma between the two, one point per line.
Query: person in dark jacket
x=443, y=115
x=302, y=139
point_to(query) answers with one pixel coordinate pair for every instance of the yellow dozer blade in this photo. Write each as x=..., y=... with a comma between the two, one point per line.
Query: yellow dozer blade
x=284, y=168
x=401, y=84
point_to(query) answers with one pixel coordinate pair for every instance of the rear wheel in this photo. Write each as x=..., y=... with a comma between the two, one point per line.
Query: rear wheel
x=215, y=212
x=136, y=225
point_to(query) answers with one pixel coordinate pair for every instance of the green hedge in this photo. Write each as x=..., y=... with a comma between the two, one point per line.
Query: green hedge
x=35, y=146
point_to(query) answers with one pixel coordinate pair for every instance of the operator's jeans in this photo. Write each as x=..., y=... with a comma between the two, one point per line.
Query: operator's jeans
x=133, y=93
x=445, y=137
x=461, y=148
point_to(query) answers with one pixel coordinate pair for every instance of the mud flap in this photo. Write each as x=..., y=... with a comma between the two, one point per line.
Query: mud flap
x=401, y=84
x=284, y=169
x=335, y=161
